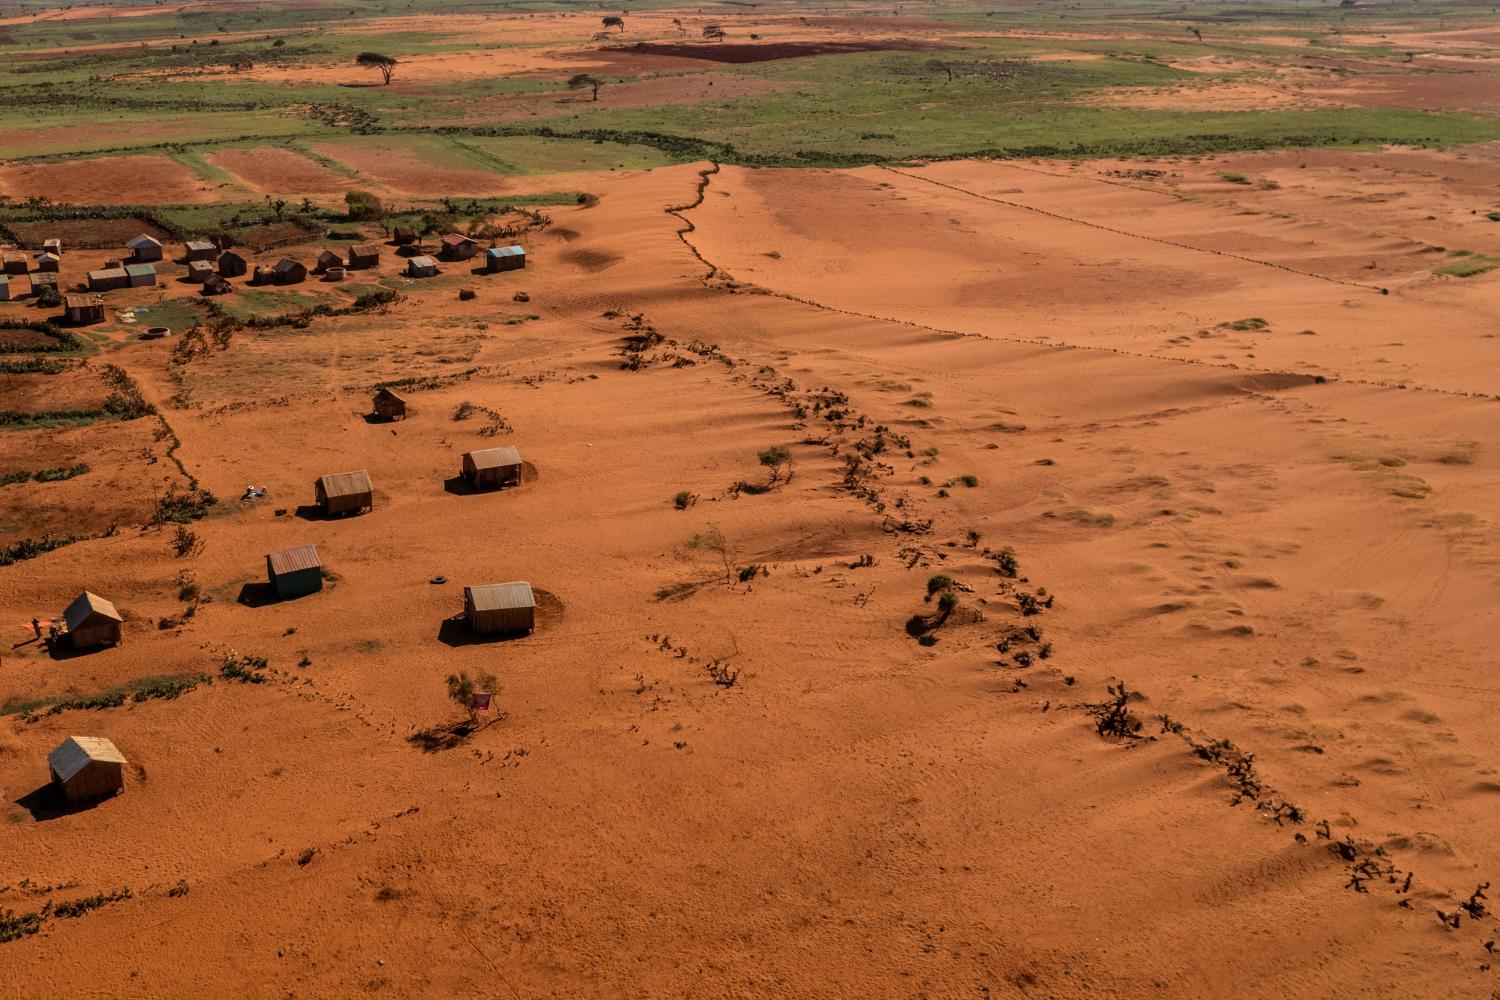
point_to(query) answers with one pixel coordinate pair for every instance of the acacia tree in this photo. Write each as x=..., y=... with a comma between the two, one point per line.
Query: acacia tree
x=462, y=688
x=374, y=60
x=713, y=31
x=775, y=458
x=586, y=81
x=612, y=21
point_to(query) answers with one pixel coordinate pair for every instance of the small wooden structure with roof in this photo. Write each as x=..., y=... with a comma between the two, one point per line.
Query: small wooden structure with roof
x=457, y=246
x=421, y=267
x=92, y=621
x=200, y=250
x=327, y=259
x=144, y=248
x=12, y=262
x=87, y=767
x=389, y=404
x=288, y=272
x=500, y=607
x=53, y=245
x=198, y=271
x=511, y=258
x=492, y=467
x=364, y=255
x=345, y=493
x=107, y=279
x=404, y=236
x=141, y=275
x=231, y=264
x=48, y=261
x=5, y=292
x=295, y=572
x=84, y=309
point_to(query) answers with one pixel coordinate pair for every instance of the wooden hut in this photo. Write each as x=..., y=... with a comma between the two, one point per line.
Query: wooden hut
x=198, y=271
x=404, y=236
x=92, y=621
x=53, y=245
x=345, y=493
x=500, y=607
x=84, y=309
x=48, y=261
x=457, y=246
x=144, y=249
x=364, y=256
x=504, y=259
x=200, y=250
x=215, y=285
x=108, y=279
x=142, y=275
x=421, y=267
x=40, y=280
x=231, y=264
x=327, y=259
x=389, y=405
x=295, y=572
x=492, y=467
x=87, y=767
x=5, y=293
x=12, y=262
x=288, y=272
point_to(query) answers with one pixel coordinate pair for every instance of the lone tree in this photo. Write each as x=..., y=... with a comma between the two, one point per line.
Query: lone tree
x=586, y=81
x=612, y=21
x=713, y=31
x=775, y=458
x=374, y=60
x=938, y=66
x=462, y=688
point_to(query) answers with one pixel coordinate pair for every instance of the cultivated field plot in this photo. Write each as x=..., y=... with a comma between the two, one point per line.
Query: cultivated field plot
x=1007, y=496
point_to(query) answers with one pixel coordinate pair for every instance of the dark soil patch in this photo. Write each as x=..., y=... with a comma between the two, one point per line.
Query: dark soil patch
x=85, y=233
x=590, y=260
x=754, y=52
x=263, y=238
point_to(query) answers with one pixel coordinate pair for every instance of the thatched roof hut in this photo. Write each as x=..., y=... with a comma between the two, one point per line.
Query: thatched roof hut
x=389, y=405
x=500, y=607
x=295, y=572
x=92, y=621
x=87, y=767
x=345, y=493
x=492, y=467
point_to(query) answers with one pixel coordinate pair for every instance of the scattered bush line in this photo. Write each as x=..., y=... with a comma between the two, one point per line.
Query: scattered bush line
x=166, y=687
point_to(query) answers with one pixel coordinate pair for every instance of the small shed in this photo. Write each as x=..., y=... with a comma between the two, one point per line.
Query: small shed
x=92, y=621
x=421, y=267
x=328, y=259
x=363, y=256
x=404, y=236
x=53, y=245
x=87, y=767
x=107, y=279
x=144, y=248
x=201, y=250
x=5, y=287
x=12, y=262
x=504, y=259
x=141, y=275
x=199, y=271
x=48, y=261
x=492, y=467
x=500, y=607
x=39, y=280
x=345, y=493
x=215, y=285
x=295, y=572
x=288, y=272
x=457, y=246
x=263, y=275
x=84, y=309
x=389, y=405
x=231, y=264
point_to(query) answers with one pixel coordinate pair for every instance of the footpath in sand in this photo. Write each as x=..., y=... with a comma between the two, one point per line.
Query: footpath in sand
x=1303, y=568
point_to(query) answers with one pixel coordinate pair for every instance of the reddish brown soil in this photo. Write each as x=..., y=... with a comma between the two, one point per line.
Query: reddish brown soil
x=107, y=180
x=750, y=52
x=270, y=170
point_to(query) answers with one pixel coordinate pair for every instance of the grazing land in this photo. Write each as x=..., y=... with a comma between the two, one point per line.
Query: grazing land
x=1010, y=493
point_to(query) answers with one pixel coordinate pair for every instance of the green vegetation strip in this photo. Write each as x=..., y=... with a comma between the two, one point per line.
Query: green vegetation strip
x=157, y=686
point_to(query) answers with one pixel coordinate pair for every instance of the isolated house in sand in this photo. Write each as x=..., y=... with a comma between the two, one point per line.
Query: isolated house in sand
x=389, y=405
x=492, y=467
x=92, y=621
x=344, y=493
x=500, y=607
x=295, y=572
x=504, y=259
x=87, y=767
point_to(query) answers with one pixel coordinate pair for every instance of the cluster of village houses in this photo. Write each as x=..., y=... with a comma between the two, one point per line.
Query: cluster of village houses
x=85, y=768
x=211, y=266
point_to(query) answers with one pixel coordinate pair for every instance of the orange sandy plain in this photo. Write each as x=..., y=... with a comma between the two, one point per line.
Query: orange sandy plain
x=1240, y=434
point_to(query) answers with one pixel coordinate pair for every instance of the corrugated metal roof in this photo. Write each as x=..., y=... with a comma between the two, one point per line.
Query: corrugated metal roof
x=86, y=604
x=365, y=250
x=201, y=245
x=346, y=484
x=82, y=301
x=422, y=262
x=135, y=269
x=77, y=752
x=107, y=273
x=11, y=255
x=143, y=241
x=506, y=252
x=48, y=256
x=500, y=596
x=291, y=560
x=388, y=393
x=494, y=458
x=329, y=255
x=456, y=239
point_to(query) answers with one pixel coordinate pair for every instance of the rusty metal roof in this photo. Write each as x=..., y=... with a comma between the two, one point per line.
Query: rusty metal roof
x=365, y=250
x=291, y=560
x=500, y=596
x=456, y=239
x=494, y=458
x=82, y=301
x=85, y=606
x=346, y=484
x=77, y=752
